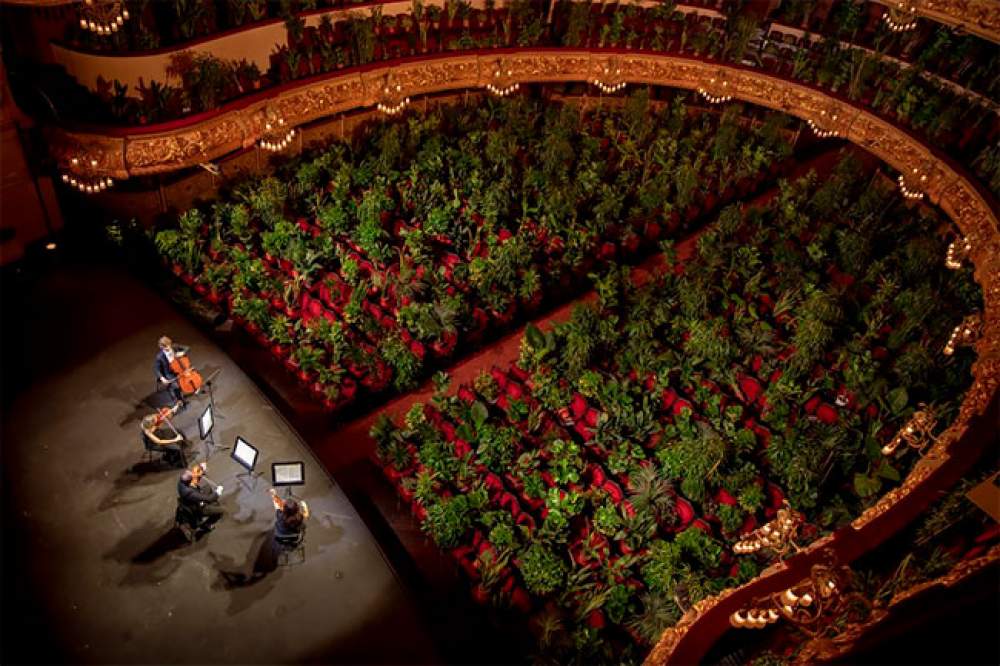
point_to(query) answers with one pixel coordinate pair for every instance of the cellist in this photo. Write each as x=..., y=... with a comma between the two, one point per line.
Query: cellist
x=164, y=375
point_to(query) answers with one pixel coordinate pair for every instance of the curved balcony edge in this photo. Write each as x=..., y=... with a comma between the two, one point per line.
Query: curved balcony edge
x=821, y=649
x=944, y=183
x=980, y=17
x=701, y=627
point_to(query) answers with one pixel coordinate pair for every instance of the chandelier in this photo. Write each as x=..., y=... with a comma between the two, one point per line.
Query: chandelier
x=901, y=16
x=917, y=433
x=391, y=100
x=609, y=78
x=964, y=334
x=813, y=605
x=958, y=250
x=827, y=129
x=501, y=82
x=103, y=17
x=83, y=175
x=911, y=185
x=778, y=535
x=716, y=90
x=276, y=135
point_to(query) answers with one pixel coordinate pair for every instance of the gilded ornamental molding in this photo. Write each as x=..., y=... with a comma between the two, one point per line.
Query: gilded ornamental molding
x=980, y=17
x=210, y=139
x=827, y=649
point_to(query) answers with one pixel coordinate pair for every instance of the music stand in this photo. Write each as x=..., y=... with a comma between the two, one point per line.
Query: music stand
x=208, y=384
x=206, y=424
x=288, y=474
x=246, y=455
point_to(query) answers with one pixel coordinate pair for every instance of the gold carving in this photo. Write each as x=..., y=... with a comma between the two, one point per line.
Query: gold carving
x=981, y=17
x=824, y=649
x=944, y=186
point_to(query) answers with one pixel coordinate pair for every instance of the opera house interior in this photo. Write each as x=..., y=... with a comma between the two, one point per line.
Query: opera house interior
x=500, y=331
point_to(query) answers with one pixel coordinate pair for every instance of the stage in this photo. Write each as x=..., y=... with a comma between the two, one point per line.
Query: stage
x=94, y=569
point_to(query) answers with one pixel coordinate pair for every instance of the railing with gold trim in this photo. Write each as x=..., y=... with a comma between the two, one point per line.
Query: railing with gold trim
x=980, y=17
x=942, y=183
x=839, y=647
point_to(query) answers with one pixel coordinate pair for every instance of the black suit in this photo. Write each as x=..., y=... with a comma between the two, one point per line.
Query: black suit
x=201, y=501
x=161, y=368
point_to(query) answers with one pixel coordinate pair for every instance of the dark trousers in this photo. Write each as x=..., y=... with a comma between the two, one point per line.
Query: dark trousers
x=211, y=513
x=173, y=388
x=174, y=454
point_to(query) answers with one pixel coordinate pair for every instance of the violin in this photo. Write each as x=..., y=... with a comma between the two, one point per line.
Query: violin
x=198, y=473
x=163, y=415
x=279, y=503
x=188, y=379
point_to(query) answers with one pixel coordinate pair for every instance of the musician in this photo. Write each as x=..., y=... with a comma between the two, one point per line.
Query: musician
x=289, y=516
x=202, y=500
x=155, y=435
x=164, y=375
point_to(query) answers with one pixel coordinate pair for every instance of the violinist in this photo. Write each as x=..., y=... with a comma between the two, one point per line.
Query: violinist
x=290, y=516
x=202, y=500
x=164, y=359
x=159, y=433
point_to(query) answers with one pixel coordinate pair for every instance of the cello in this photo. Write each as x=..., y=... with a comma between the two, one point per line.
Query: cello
x=188, y=379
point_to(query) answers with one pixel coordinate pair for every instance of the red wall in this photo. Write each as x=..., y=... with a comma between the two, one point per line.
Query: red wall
x=24, y=203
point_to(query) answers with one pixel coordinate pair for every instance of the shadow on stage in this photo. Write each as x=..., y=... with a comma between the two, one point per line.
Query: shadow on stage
x=133, y=484
x=146, y=553
x=252, y=580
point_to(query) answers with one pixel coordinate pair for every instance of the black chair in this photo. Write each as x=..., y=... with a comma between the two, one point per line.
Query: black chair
x=189, y=521
x=289, y=545
x=152, y=449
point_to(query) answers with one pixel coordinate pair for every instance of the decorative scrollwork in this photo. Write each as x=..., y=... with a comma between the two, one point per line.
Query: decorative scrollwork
x=942, y=185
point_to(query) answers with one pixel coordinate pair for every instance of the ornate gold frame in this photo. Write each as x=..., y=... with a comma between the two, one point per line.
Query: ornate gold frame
x=944, y=185
x=980, y=17
x=825, y=649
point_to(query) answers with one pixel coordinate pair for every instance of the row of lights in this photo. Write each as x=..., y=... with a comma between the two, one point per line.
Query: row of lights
x=610, y=73
x=964, y=334
x=917, y=433
x=103, y=18
x=86, y=184
x=754, y=618
x=387, y=105
x=901, y=18
x=958, y=250
x=503, y=92
x=908, y=191
x=608, y=89
x=809, y=595
x=499, y=85
x=777, y=535
x=88, y=187
x=279, y=144
x=791, y=600
x=393, y=109
x=819, y=131
x=716, y=95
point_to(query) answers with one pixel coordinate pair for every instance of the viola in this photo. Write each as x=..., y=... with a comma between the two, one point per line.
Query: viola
x=198, y=474
x=188, y=379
